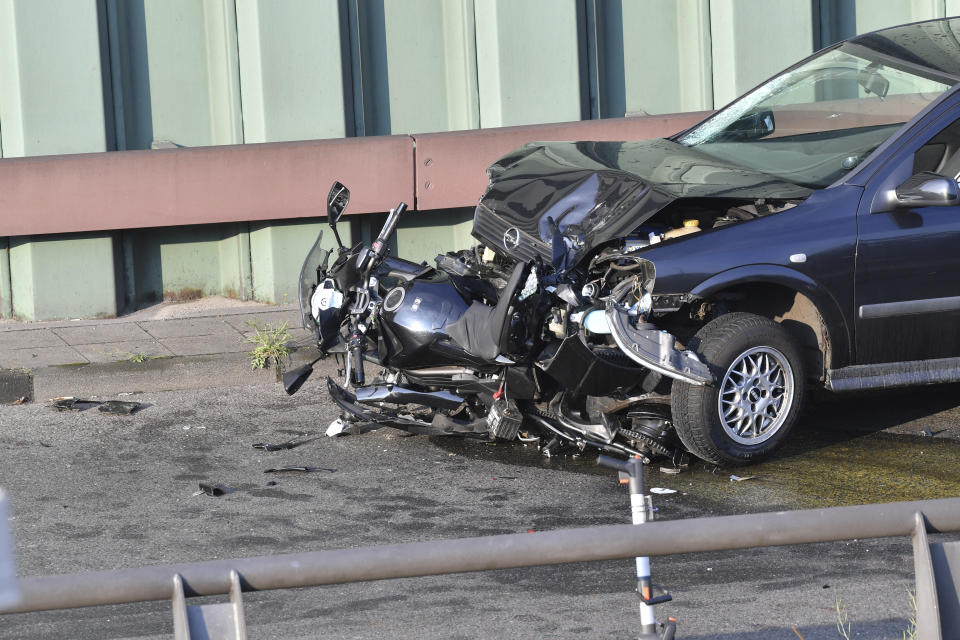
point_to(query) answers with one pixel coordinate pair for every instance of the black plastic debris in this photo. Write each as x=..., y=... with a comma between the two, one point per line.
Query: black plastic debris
x=120, y=407
x=289, y=444
x=299, y=470
x=272, y=483
x=215, y=490
x=71, y=404
x=111, y=407
x=274, y=447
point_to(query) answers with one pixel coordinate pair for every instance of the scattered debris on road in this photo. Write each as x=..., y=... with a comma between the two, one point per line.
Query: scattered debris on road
x=289, y=444
x=111, y=407
x=299, y=469
x=215, y=490
x=336, y=428
x=662, y=490
x=742, y=478
x=119, y=407
x=70, y=403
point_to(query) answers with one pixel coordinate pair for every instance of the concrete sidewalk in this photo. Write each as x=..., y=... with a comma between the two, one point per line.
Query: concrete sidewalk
x=198, y=344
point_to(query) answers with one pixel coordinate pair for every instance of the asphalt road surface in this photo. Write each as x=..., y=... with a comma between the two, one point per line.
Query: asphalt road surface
x=92, y=492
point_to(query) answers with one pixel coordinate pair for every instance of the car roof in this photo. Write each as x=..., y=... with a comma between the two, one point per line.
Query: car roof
x=934, y=44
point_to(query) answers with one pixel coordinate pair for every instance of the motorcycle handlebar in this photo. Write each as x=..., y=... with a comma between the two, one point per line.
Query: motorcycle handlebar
x=380, y=245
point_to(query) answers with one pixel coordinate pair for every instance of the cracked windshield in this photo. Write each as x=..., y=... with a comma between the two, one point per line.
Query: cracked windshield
x=813, y=124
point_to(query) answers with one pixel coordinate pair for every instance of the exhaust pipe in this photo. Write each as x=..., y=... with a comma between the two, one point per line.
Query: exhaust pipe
x=401, y=395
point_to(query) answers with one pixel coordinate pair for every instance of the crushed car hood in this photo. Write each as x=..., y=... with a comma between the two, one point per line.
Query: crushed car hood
x=592, y=192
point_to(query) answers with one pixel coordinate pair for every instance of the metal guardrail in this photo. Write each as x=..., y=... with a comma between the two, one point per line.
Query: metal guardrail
x=937, y=565
x=277, y=180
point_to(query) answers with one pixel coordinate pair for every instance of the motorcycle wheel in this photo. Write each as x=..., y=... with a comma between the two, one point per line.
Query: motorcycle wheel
x=746, y=416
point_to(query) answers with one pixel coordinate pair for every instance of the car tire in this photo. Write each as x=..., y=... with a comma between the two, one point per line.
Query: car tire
x=757, y=393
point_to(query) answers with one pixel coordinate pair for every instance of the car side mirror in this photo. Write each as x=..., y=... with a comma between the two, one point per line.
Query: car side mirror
x=337, y=201
x=927, y=189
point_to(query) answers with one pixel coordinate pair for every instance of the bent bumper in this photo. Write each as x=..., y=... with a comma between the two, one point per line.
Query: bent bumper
x=656, y=349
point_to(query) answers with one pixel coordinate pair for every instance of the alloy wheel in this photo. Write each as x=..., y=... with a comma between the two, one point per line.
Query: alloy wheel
x=756, y=395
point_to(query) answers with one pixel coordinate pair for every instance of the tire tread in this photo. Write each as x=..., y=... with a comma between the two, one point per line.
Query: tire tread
x=687, y=400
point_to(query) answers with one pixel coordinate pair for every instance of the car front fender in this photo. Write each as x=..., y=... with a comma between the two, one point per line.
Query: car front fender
x=826, y=304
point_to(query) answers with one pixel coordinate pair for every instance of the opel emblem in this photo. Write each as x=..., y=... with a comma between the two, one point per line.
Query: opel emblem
x=511, y=238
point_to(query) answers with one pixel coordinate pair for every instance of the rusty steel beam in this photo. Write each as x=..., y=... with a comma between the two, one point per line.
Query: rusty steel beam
x=202, y=185
x=274, y=181
x=490, y=552
x=451, y=167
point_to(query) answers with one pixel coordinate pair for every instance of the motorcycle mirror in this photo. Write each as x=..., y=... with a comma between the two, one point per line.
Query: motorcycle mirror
x=293, y=380
x=337, y=201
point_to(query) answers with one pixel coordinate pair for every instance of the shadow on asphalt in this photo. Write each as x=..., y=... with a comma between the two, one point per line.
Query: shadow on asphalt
x=874, y=629
x=846, y=449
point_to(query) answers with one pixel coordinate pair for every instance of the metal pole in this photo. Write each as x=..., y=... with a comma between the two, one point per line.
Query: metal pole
x=490, y=552
x=638, y=509
x=9, y=588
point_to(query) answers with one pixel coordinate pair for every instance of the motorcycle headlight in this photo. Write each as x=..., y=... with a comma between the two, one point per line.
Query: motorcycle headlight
x=324, y=297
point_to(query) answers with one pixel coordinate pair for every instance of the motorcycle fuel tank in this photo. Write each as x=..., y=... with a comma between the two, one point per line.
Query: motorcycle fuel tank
x=413, y=323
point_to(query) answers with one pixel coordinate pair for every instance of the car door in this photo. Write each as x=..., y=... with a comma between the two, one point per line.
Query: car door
x=907, y=281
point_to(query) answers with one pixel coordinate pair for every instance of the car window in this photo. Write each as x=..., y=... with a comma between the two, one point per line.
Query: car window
x=940, y=154
x=813, y=123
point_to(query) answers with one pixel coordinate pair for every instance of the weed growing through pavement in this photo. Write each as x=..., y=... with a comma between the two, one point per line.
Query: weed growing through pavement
x=135, y=357
x=270, y=343
x=911, y=631
x=844, y=626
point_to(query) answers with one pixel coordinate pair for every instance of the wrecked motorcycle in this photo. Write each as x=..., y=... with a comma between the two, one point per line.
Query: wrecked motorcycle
x=481, y=345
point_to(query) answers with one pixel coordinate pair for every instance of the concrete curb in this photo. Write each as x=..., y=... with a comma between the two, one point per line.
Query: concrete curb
x=161, y=374
x=162, y=311
x=183, y=348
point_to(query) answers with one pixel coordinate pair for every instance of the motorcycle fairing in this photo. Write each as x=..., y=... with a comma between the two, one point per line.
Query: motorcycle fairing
x=439, y=425
x=313, y=264
x=326, y=322
x=577, y=368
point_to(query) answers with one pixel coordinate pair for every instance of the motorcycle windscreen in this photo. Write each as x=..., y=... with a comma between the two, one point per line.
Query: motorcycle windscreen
x=316, y=259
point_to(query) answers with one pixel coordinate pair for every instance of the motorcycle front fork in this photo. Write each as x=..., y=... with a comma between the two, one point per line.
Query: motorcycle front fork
x=354, y=374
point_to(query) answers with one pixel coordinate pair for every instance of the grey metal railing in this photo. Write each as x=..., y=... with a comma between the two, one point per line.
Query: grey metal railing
x=936, y=598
